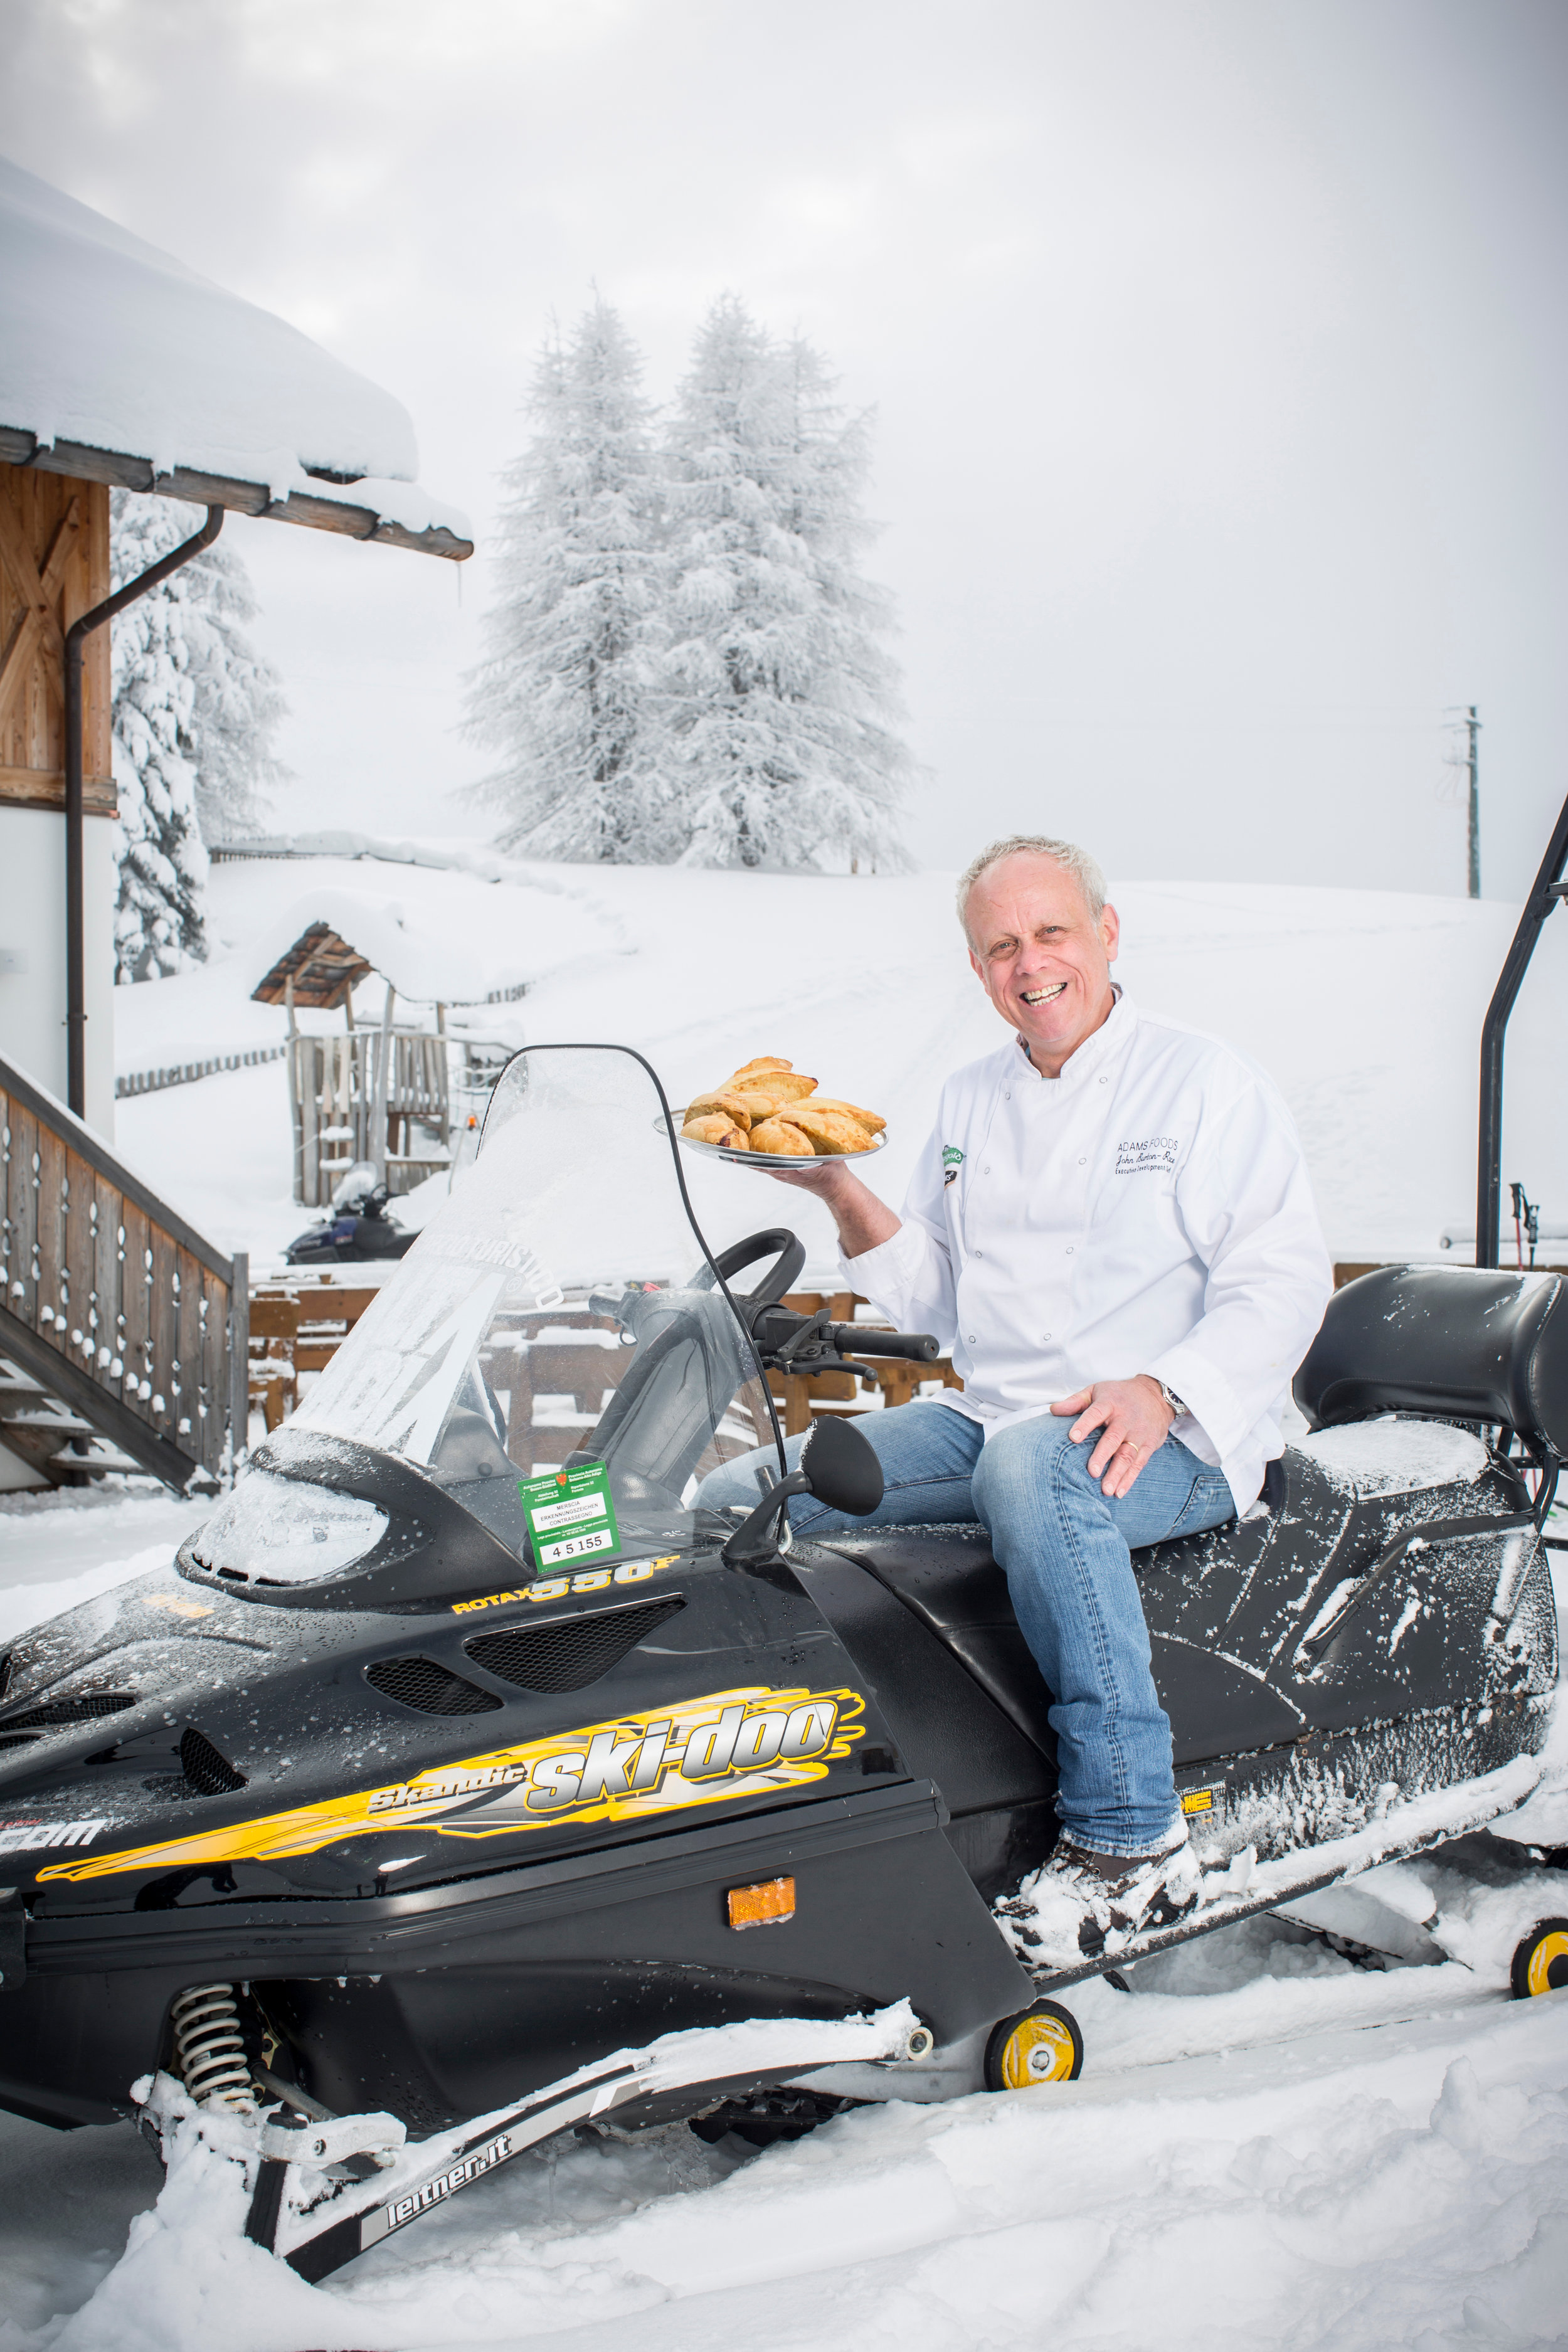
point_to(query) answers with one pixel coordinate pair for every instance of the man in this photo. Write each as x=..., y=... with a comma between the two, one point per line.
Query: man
x=1112, y=1227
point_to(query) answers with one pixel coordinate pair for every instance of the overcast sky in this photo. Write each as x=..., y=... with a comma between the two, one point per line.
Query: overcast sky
x=1217, y=352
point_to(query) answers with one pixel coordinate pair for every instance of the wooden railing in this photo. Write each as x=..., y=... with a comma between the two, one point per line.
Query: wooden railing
x=113, y=1301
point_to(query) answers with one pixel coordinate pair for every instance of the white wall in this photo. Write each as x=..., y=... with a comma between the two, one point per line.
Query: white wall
x=33, y=928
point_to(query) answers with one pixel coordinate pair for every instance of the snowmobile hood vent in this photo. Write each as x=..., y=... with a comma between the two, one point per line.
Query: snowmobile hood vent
x=1458, y=1343
x=209, y=1771
x=433, y=1688
x=569, y=1652
x=87, y=1706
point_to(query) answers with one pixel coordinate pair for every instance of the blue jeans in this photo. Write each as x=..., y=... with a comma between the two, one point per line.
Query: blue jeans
x=1066, y=1549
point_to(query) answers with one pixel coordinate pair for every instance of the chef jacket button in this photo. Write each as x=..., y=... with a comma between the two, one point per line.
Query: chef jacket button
x=1008, y=1096
x=1083, y=1161
x=1105, y=1082
x=971, y=1338
x=979, y=1252
x=1045, y=1335
x=1070, y=1249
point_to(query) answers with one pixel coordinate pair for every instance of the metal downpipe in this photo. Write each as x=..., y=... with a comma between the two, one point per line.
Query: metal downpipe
x=1544, y=895
x=76, y=976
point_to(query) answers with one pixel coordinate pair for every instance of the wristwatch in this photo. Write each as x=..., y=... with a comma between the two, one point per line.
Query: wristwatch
x=1173, y=1402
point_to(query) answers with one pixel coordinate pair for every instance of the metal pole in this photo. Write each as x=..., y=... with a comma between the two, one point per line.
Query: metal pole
x=75, y=974
x=296, y=1120
x=238, y=1362
x=1474, y=725
x=383, y=1085
x=1544, y=894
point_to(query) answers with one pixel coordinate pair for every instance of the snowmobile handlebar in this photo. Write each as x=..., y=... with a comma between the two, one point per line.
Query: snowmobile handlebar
x=864, y=1340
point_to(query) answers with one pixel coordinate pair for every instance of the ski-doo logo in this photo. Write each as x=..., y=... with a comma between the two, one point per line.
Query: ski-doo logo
x=725, y=1744
x=672, y=1761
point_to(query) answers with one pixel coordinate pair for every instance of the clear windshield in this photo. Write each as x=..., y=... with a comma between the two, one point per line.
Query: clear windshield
x=557, y=1313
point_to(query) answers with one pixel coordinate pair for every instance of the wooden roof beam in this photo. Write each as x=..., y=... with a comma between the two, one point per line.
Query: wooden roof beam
x=89, y=465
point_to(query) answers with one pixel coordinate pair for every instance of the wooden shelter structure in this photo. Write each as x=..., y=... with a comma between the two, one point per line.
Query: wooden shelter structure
x=368, y=1094
x=320, y=969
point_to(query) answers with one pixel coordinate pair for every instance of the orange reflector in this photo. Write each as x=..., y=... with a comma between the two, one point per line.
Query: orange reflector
x=762, y=1906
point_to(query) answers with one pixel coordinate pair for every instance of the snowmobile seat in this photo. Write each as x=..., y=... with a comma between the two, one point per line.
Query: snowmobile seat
x=1450, y=1343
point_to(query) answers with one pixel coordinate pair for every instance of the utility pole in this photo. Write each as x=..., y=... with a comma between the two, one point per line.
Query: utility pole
x=1474, y=727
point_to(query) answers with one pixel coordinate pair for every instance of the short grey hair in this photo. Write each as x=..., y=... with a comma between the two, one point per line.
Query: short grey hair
x=1073, y=860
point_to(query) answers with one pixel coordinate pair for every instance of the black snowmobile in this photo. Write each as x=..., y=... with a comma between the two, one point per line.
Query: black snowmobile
x=359, y=1229
x=469, y=1781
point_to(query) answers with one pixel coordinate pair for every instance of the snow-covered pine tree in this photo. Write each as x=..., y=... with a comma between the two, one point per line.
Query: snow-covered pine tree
x=194, y=712
x=562, y=692
x=779, y=704
x=240, y=703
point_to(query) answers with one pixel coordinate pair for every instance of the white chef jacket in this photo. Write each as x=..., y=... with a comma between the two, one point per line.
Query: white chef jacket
x=1149, y=1211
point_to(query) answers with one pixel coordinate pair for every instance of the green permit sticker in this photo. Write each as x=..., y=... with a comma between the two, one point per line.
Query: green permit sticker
x=569, y=1514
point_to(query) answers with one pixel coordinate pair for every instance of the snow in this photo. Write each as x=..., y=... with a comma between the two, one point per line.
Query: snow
x=452, y=964
x=863, y=982
x=1269, y=2145
x=201, y=379
x=1395, y=1458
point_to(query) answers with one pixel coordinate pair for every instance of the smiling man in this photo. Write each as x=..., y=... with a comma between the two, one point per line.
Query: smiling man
x=1112, y=1226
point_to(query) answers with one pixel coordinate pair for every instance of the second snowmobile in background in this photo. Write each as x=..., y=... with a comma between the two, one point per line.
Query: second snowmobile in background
x=360, y=1230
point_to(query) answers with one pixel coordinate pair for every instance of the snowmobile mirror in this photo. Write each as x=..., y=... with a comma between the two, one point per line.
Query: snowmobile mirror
x=842, y=1466
x=836, y=1466
x=359, y=1181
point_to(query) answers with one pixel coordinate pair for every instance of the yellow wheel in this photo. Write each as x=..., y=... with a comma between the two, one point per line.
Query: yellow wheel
x=1541, y=1963
x=1043, y=2045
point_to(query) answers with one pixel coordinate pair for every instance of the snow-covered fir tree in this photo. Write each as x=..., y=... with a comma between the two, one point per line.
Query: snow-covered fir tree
x=194, y=711
x=778, y=707
x=562, y=691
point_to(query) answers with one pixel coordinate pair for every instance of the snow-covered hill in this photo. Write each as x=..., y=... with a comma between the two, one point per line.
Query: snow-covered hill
x=1365, y=1005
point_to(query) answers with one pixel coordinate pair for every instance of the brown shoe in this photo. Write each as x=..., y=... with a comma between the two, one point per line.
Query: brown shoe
x=1084, y=1903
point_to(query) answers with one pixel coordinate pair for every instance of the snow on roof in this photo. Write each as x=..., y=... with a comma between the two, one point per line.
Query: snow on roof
x=466, y=944
x=117, y=364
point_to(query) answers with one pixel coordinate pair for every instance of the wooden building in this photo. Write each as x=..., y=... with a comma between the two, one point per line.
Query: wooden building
x=120, y=367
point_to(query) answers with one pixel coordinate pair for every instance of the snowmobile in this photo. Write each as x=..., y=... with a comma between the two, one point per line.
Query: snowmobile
x=360, y=1228
x=469, y=1781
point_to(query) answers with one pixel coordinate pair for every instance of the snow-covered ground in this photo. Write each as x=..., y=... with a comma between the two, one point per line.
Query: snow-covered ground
x=1365, y=1005
x=1268, y=2146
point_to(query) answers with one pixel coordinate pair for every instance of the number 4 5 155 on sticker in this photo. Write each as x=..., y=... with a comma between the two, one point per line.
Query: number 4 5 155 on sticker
x=569, y=1514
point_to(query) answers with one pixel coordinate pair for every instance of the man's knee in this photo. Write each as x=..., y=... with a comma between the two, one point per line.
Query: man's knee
x=736, y=1483
x=1030, y=1460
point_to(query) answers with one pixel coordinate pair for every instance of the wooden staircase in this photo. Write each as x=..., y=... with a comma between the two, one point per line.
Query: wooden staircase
x=48, y=1439
x=123, y=1333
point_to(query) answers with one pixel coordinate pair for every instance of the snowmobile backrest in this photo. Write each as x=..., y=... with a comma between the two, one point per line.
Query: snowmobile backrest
x=1458, y=1343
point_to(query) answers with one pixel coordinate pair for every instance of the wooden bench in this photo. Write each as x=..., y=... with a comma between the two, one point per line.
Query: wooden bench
x=298, y=1327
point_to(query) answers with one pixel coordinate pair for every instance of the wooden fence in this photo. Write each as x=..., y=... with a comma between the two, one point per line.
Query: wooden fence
x=183, y=1073
x=111, y=1299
